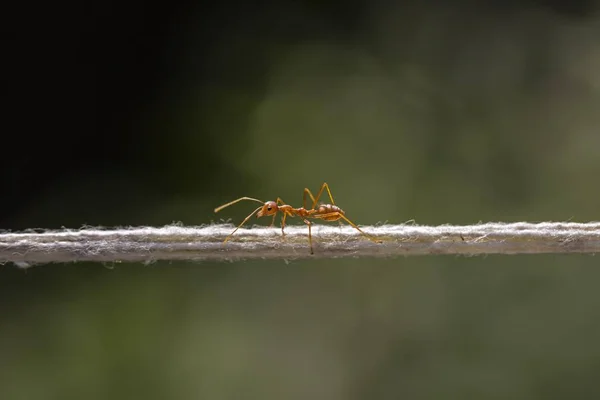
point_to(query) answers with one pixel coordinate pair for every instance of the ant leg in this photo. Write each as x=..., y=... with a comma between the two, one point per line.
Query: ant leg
x=240, y=225
x=273, y=221
x=360, y=230
x=323, y=187
x=307, y=222
x=281, y=202
x=342, y=216
x=307, y=191
x=283, y=224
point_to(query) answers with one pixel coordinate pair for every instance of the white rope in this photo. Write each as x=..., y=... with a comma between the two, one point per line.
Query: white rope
x=205, y=243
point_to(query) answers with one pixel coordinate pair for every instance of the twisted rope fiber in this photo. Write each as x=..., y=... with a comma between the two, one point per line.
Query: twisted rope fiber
x=205, y=243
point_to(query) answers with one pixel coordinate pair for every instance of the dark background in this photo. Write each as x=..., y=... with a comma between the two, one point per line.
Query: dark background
x=132, y=113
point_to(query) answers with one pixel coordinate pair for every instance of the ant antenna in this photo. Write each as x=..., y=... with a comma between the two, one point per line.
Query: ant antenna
x=235, y=201
x=245, y=219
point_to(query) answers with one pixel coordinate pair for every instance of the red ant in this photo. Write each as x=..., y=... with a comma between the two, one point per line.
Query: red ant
x=325, y=212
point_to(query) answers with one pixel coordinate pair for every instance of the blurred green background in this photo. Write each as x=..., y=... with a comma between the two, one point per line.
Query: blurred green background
x=438, y=112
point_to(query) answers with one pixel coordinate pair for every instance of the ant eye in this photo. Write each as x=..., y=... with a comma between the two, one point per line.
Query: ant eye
x=268, y=208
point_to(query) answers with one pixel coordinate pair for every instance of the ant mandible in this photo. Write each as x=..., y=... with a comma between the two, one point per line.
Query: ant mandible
x=325, y=212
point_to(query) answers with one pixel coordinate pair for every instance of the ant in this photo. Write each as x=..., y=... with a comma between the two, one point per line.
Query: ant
x=325, y=212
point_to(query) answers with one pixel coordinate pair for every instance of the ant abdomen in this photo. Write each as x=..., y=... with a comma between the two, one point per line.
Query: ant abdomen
x=332, y=209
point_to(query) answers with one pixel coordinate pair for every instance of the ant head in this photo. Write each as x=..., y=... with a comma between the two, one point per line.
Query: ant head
x=270, y=208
